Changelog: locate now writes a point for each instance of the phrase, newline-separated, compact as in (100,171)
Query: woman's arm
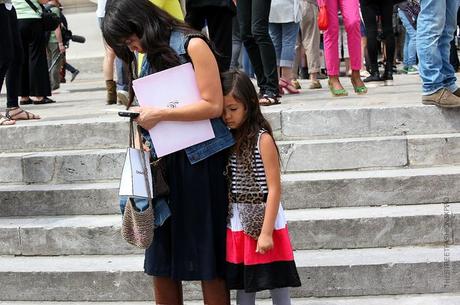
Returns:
(43,1)
(208,80)
(270,159)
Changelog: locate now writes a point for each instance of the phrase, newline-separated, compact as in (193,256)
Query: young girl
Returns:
(259,252)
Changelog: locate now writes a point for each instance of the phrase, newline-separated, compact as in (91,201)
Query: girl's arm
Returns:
(270,159)
(208,80)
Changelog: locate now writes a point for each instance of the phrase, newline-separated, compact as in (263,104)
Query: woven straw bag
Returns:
(137,228)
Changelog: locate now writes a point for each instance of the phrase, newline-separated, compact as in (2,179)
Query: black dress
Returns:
(191,243)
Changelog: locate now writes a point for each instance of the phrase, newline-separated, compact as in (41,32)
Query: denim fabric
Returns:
(436,24)
(284,37)
(161,209)
(410,49)
(223,138)
(122,75)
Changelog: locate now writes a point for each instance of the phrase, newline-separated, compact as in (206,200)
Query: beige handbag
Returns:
(138,226)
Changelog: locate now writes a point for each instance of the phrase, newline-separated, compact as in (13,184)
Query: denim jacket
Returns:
(223,138)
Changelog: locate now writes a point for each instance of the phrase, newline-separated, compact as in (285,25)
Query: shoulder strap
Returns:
(33,6)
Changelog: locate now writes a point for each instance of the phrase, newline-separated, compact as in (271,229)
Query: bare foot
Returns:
(4,121)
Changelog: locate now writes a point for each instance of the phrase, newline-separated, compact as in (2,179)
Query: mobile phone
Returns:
(128,114)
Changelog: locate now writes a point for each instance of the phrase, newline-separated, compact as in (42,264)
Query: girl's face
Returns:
(234,112)
(134,44)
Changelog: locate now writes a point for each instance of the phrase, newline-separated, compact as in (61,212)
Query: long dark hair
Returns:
(151,24)
(239,86)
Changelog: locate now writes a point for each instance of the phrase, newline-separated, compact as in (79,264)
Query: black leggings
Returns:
(10,50)
(370,10)
(253,20)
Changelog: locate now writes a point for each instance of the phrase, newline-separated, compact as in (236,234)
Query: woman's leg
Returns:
(39,81)
(331,45)
(244,15)
(215,292)
(369,15)
(352,23)
(331,39)
(280,296)
(386,10)
(167,291)
(259,27)
(245,298)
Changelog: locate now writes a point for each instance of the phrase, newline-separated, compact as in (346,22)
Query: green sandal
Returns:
(336,92)
(360,90)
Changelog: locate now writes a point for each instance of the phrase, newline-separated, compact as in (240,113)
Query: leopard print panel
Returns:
(251,203)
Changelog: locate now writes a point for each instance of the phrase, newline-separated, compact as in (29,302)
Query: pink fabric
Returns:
(351,19)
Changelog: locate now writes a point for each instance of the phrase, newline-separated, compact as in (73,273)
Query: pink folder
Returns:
(173,88)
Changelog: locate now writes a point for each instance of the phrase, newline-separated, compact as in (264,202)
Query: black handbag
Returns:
(50,20)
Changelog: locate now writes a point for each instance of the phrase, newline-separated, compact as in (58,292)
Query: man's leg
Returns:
(447,35)
(430,26)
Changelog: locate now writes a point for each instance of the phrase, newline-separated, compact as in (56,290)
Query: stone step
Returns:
(374,152)
(288,122)
(303,121)
(335,228)
(59,199)
(409,299)
(297,156)
(300,191)
(324,273)
(84,133)
(62,166)
(372,187)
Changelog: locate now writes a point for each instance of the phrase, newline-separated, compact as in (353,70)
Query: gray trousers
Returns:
(52,53)
(309,38)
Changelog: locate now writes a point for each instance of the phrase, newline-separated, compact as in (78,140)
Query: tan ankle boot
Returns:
(111,87)
(442,98)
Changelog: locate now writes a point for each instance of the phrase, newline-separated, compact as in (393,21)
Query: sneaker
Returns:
(122,97)
(411,70)
(442,98)
(74,74)
(387,77)
(374,77)
(364,73)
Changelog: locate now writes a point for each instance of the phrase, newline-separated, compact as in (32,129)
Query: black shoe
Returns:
(374,77)
(387,77)
(74,74)
(26,102)
(44,100)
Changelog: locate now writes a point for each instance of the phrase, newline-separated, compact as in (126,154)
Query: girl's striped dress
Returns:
(247,269)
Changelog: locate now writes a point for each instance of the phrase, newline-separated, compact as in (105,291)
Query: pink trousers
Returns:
(351,20)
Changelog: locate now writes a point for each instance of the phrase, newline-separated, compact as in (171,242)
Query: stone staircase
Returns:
(371,187)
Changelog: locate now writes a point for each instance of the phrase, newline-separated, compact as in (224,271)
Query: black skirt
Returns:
(190,245)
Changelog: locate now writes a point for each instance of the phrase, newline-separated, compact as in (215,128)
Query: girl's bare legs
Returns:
(107,68)
(215,292)
(167,291)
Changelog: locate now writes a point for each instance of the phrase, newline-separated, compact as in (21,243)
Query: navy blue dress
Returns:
(191,243)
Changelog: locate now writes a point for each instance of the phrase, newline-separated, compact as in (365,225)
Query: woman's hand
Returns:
(148,116)
(264,243)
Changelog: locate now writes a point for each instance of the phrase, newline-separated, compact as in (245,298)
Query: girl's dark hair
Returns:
(151,24)
(240,87)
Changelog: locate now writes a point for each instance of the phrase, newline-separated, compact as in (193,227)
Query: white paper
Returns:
(132,181)
(173,88)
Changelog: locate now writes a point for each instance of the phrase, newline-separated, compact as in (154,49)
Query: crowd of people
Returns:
(226,226)
(32,60)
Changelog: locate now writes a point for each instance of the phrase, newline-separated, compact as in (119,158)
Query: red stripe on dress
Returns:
(242,249)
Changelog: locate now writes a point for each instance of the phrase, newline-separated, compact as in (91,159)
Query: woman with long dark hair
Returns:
(190,245)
